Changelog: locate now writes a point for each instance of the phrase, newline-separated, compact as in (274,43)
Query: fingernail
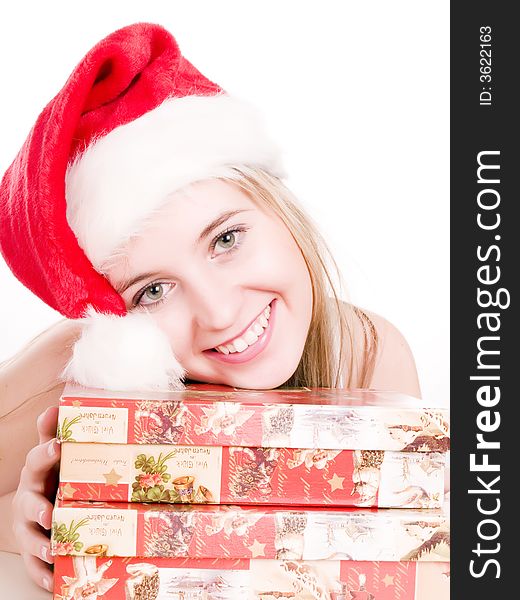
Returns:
(44,413)
(41,516)
(52,448)
(44,553)
(47,584)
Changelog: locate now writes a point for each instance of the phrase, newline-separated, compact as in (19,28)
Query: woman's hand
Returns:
(33,501)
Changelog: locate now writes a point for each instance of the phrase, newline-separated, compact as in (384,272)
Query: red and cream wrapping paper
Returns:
(229,475)
(222,531)
(324,419)
(184,579)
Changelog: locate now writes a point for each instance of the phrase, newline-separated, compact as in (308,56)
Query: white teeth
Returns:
(257,328)
(240,344)
(249,337)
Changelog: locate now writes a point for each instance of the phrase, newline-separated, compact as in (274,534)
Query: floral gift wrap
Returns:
(222,531)
(223,579)
(325,419)
(228,475)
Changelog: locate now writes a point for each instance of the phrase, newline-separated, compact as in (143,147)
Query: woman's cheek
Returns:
(273,267)
(174,324)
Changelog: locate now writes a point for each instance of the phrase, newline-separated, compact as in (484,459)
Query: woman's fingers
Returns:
(36,509)
(30,501)
(47,423)
(31,508)
(40,460)
(35,542)
(38,571)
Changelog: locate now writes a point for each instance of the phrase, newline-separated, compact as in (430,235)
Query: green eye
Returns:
(154,292)
(227,240)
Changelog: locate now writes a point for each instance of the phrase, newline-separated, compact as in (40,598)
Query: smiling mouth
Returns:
(249,337)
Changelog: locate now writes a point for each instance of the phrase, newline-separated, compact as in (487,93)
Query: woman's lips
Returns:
(251,351)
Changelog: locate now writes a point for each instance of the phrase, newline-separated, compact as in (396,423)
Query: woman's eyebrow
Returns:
(219,221)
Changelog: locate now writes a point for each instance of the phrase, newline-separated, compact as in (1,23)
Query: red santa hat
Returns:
(134,122)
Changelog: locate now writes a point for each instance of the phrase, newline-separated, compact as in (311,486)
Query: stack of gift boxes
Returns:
(212,493)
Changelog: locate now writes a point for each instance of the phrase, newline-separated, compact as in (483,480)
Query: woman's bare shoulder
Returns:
(394,367)
(37,367)
(30,382)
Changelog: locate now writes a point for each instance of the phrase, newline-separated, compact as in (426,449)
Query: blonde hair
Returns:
(341,345)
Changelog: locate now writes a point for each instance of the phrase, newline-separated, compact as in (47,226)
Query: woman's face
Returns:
(225,280)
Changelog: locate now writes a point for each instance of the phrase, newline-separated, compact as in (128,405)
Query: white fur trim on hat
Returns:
(122,177)
(128,353)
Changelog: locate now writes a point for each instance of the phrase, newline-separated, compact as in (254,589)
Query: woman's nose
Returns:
(215,304)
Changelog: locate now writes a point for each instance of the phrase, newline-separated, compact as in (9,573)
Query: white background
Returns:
(355,92)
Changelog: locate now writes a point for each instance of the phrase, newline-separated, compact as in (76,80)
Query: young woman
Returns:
(145,193)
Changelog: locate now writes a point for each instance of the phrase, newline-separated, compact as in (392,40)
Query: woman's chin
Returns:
(259,381)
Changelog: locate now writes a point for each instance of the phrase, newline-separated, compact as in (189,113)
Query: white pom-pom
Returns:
(128,353)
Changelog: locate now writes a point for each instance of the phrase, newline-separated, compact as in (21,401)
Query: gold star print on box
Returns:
(67,491)
(336,482)
(257,549)
(112,478)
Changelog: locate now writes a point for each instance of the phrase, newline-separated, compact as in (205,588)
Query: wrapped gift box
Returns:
(228,475)
(185,579)
(222,531)
(324,419)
